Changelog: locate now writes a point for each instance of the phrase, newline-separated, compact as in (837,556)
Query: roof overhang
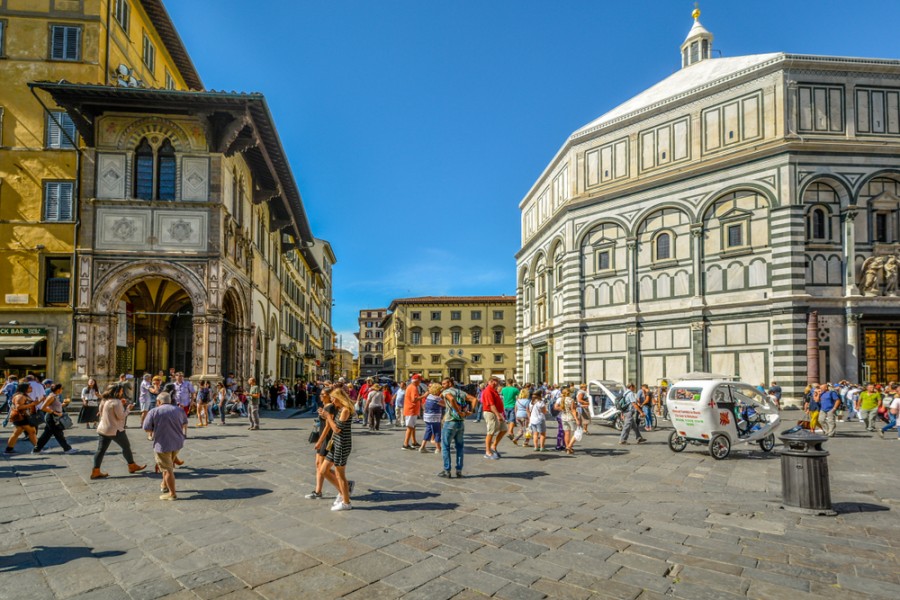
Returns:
(164,26)
(239,122)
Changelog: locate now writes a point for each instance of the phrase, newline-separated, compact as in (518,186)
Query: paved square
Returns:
(610,522)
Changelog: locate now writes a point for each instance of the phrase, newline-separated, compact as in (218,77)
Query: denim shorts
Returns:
(510,414)
(433,431)
(539,428)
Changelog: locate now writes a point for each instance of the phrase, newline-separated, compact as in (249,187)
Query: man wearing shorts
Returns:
(509,393)
(411,412)
(493,418)
(166,422)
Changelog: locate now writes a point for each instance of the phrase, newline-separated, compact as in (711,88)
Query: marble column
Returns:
(633,355)
(631,245)
(851,353)
(850,287)
(697,259)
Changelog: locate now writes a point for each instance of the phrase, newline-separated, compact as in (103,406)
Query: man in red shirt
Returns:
(411,407)
(493,418)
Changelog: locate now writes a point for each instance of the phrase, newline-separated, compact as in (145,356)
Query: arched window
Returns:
(663,246)
(818,224)
(367,360)
(165,178)
(369,347)
(378,347)
(155,172)
(143,171)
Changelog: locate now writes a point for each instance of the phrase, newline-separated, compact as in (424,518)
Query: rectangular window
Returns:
(65,42)
(60,136)
(416,359)
(498,315)
(881,227)
(455,315)
(603,260)
(435,315)
(415,316)
(122,12)
(58,200)
(498,358)
(735,235)
(170,81)
(149,53)
(435,359)
(476,358)
(476,337)
(455,338)
(435,338)
(476,315)
(498,337)
(2,38)
(57,277)
(415,338)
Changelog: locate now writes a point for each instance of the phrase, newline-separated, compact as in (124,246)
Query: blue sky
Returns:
(415,127)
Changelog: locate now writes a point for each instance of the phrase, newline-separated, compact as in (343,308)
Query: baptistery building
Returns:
(742,216)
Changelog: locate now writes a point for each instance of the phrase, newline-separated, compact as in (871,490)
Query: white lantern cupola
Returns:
(698,44)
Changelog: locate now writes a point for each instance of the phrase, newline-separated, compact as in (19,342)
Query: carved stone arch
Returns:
(839,184)
(712,198)
(118,280)
(235,290)
(154,127)
(864,181)
(557,241)
(587,229)
(538,257)
(523,275)
(646,214)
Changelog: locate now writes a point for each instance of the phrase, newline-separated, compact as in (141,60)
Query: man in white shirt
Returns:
(893,416)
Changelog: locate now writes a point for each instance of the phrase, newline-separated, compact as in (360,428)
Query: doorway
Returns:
(541,362)
(881,353)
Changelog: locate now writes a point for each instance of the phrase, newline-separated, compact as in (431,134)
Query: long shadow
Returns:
(523,475)
(394,496)
(202,472)
(408,507)
(229,494)
(49,556)
(532,455)
(20,470)
(600,452)
(844,508)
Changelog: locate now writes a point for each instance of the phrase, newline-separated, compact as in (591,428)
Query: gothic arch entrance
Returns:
(234,335)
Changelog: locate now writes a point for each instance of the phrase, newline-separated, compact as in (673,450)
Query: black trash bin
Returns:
(805,487)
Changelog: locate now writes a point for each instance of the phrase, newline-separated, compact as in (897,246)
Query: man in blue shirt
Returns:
(829,402)
(166,422)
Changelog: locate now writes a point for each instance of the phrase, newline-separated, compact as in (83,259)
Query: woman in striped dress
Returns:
(340,449)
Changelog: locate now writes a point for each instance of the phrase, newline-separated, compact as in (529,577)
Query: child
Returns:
(538,421)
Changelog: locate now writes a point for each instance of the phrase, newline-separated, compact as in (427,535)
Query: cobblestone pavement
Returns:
(610,522)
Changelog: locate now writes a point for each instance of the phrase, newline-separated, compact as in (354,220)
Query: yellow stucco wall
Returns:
(25,164)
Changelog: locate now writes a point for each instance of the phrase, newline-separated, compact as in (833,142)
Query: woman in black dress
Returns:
(323,443)
(338,450)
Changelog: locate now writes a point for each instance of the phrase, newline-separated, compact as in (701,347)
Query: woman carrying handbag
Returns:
(55,419)
(113,413)
(90,401)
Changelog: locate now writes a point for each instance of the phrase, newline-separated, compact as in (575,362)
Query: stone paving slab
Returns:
(609,522)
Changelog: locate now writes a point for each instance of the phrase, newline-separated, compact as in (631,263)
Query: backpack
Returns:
(621,403)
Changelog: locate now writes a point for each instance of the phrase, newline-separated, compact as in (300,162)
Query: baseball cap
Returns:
(342,380)
(416,376)
(47,382)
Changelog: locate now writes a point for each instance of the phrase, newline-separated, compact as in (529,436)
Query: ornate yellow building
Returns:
(99,41)
(144,222)
(469,338)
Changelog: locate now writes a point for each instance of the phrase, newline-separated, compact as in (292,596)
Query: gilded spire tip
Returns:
(696,13)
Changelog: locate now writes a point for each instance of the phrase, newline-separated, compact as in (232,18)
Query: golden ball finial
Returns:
(696,14)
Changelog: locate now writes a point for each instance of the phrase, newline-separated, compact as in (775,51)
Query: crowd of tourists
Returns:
(875,407)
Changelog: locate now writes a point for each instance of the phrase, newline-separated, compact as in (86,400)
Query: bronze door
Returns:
(881,354)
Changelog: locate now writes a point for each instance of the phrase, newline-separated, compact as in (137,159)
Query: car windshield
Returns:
(685,393)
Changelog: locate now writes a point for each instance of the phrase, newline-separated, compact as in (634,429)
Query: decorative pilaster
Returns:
(851,353)
(850,287)
(631,349)
(698,346)
(631,246)
(697,259)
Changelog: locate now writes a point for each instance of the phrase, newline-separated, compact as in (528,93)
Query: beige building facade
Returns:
(469,338)
(370,358)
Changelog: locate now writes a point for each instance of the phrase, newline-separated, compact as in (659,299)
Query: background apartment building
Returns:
(371,341)
(469,338)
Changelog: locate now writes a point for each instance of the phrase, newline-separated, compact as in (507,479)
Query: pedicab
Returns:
(719,413)
(603,408)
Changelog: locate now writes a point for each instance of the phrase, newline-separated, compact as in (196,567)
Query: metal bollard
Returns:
(805,487)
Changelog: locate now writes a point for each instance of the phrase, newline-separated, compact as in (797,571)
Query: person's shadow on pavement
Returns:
(49,556)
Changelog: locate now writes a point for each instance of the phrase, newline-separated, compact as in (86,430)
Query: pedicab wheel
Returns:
(677,443)
(618,424)
(767,443)
(719,446)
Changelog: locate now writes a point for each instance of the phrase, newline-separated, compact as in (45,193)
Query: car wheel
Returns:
(719,447)
(677,443)
(767,443)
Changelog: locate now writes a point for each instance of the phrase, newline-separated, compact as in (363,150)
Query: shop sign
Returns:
(23,331)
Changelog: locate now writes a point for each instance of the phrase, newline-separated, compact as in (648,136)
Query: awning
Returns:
(20,342)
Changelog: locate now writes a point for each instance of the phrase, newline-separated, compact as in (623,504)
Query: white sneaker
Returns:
(71,451)
(341,506)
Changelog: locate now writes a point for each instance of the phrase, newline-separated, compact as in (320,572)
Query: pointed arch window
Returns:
(155,171)
(818,224)
(143,171)
(165,182)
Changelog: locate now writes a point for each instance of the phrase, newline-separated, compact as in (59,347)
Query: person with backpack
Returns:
(9,390)
(630,408)
(458,405)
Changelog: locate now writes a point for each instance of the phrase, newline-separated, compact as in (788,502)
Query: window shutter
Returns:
(53,132)
(51,202)
(65,201)
(69,128)
(73,39)
(57,50)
